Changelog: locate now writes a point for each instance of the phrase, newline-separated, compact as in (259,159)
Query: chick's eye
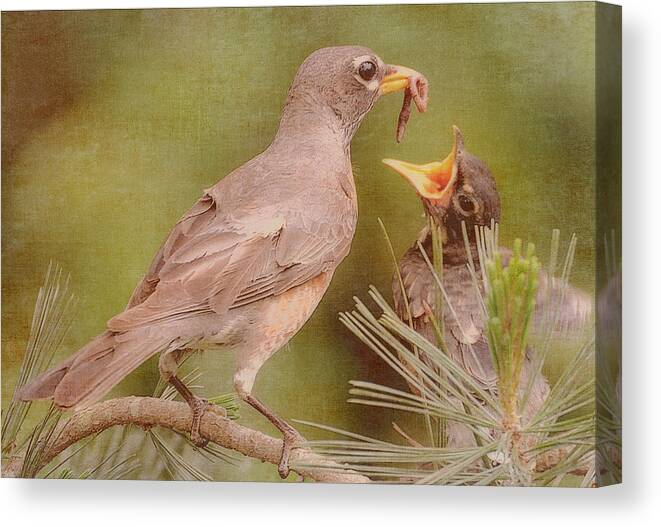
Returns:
(466,204)
(367,70)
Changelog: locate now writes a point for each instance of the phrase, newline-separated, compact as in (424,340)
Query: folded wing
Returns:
(212,263)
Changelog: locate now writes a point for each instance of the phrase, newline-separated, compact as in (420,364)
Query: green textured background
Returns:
(114,122)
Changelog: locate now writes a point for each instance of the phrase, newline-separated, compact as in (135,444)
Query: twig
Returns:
(148,412)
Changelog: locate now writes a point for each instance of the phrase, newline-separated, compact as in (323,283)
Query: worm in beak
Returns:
(416,89)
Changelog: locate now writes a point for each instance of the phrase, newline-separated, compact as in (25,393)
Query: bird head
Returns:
(458,189)
(347,81)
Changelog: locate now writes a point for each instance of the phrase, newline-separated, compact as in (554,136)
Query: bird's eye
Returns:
(466,204)
(367,70)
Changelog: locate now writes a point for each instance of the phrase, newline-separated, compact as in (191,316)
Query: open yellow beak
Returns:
(397,79)
(435,180)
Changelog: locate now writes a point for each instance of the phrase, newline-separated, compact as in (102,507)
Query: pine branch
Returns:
(148,412)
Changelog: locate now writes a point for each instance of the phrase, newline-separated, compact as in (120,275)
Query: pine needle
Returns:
(564,425)
(53,315)
(175,464)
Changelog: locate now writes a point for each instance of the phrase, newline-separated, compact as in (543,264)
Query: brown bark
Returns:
(148,412)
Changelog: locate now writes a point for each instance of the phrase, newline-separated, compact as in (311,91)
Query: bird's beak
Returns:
(435,180)
(397,79)
(401,78)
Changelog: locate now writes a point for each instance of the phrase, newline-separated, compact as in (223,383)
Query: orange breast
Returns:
(286,313)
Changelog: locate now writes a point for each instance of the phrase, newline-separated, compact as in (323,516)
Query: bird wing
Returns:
(190,224)
(316,238)
(418,284)
(571,307)
(413,298)
(213,262)
(465,331)
(464,326)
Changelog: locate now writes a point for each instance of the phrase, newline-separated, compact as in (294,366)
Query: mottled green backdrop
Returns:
(114,122)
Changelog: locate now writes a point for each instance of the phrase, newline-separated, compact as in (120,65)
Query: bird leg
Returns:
(198,406)
(290,437)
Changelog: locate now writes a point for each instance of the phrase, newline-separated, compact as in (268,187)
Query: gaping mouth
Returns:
(434,181)
(416,88)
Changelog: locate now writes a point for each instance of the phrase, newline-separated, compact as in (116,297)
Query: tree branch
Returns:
(147,412)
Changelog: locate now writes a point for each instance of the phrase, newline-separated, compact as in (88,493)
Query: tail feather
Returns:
(43,386)
(88,375)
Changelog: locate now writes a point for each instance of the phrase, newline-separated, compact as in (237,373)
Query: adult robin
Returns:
(461,189)
(247,265)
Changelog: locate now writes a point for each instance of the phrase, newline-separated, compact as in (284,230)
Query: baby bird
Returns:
(461,189)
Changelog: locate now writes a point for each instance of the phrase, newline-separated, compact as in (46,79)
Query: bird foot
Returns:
(290,440)
(290,437)
(198,407)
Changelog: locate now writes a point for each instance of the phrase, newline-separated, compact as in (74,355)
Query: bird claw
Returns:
(198,408)
(290,440)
